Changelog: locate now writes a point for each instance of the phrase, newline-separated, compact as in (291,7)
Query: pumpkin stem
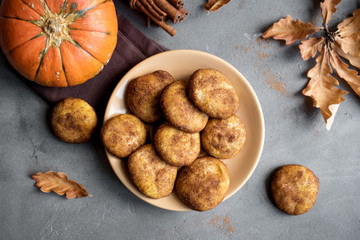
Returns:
(52,26)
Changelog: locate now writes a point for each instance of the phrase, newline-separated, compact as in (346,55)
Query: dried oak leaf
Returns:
(348,34)
(349,75)
(289,30)
(350,45)
(355,61)
(310,47)
(215,5)
(328,8)
(321,87)
(60,184)
(350,26)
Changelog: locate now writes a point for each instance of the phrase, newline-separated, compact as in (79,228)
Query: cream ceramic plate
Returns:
(181,64)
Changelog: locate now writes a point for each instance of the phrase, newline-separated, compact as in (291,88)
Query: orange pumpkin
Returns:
(58,43)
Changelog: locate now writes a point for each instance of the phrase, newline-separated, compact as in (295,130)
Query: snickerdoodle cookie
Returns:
(143,95)
(223,138)
(73,120)
(151,175)
(179,111)
(294,189)
(203,184)
(123,134)
(211,92)
(176,147)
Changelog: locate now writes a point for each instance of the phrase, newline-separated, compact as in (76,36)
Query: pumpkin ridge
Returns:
(69,45)
(27,7)
(43,52)
(32,8)
(91,8)
(39,35)
(28,52)
(18,37)
(79,46)
(82,12)
(105,1)
(64,7)
(63,67)
(30,21)
(97,31)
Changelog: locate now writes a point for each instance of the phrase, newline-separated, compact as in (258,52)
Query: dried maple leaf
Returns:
(215,5)
(321,87)
(310,47)
(289,30)
(345,42)
(60,184)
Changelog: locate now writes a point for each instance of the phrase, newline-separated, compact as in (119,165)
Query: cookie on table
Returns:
(121,135)
(151,175)
(176,147)
(203,184)
(179,111)
(224,138)
(211,92)
(73,120)
(294,189)
(143,95)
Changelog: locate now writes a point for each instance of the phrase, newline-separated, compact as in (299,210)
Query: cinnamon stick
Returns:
(183,11)
(156,8)
(162,24)
(215,5)
(160,15)
(161,10)
(174,14)
(175,3)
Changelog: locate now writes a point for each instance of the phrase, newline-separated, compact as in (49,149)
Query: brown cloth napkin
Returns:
(132,47)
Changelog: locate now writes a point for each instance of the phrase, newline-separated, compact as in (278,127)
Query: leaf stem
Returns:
(330,36)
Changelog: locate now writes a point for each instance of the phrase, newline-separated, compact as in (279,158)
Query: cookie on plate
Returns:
(223,138)
(176,147)
(143,95)
(123,134)
(151,175)
(294,189)
(203,184)
(179,111)
(73,120)
(211,92)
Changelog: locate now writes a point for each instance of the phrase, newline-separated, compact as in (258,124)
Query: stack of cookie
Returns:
(184,116)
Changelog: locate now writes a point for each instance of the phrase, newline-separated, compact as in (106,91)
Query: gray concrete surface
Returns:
(295,133)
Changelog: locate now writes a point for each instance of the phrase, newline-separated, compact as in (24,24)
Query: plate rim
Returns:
(186,51)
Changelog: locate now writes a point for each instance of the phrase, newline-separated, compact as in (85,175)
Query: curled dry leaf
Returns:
(355,61)
(348,34)
(215,5)
(349,75)
(350,44)
(328,8)
(310,47)
(350,26)
(60,184)
(321,87)
(289,30)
